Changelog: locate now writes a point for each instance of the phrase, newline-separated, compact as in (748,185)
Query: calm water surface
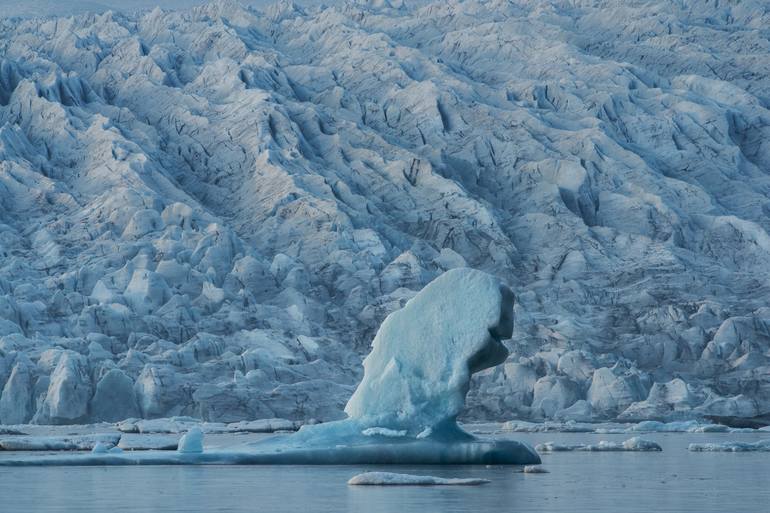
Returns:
(674,480)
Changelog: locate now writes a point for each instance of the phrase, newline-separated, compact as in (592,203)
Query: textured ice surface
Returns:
(58,443)
(635,444)
(418,372)
(732,446)
(391,478)
(648,426)
(209,212)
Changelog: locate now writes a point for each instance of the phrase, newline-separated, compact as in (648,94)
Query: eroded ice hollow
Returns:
(405,409)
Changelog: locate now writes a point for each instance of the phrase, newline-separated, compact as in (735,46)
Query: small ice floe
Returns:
(382,431)
(264,426)
(635,444)
(192,441)
(759,446)
(606,428)
(392,479)
(534,469)
(176,425)
(522,426)
(57,443)
(683,426)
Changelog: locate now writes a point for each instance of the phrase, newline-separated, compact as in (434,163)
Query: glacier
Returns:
(208,212)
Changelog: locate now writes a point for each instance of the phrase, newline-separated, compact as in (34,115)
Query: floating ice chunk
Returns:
(534,469)
(759,446)
(522,426)
(57,443)
(640,444)
(653,426)
(381,431)
(418,374)
(635,444)
(192,441)
(557,427)
(391,478)
(264,426)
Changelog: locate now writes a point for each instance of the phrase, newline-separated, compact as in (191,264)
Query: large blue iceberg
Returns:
(405,409)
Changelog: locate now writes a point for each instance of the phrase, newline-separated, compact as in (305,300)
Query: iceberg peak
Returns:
(418,372)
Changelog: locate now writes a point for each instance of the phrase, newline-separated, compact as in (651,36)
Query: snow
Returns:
(191,442)
(223,203)
(635,444)
(394,479)
(732,446)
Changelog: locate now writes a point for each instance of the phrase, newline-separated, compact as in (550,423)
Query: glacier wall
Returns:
(209,211)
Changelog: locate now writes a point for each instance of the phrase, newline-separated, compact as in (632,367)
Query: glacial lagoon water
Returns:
(674,480)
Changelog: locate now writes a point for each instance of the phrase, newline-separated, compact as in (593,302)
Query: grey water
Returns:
(674,480)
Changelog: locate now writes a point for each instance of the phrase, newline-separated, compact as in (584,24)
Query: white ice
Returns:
(57,443)
(392,478)
(732,446)
(647,426)
(635,444)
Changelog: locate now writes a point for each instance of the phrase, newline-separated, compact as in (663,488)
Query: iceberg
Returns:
(391,478)
(405,409)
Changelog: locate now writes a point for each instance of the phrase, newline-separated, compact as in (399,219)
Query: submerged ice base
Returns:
(405,409)
(413,452)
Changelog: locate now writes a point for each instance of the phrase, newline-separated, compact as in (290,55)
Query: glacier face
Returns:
(209,212)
